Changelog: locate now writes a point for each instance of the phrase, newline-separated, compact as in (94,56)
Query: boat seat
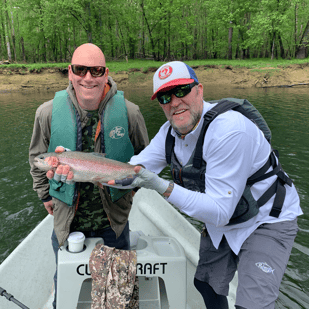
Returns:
(157,257)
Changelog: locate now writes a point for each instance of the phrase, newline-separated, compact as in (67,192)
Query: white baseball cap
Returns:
(172,74)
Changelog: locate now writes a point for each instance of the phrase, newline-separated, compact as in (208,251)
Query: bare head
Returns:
(88,54)
(85,73)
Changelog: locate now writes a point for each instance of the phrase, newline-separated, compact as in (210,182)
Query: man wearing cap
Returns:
(232,149)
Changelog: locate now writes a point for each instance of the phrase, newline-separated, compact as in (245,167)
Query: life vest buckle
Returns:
(210,115)
(284,179)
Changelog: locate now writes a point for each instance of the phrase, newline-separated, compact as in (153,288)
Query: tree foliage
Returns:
(50,30)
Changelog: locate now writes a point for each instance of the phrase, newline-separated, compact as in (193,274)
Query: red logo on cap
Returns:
(165,72)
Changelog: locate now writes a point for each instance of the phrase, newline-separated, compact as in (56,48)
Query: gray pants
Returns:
(261,264)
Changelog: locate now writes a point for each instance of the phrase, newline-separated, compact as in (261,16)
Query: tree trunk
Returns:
(230,51)
(8,45)
(149,31)
(272,50)
(164,46)
(112,38)
(101,45)
(295,29)
(23,48)
(273,47)
(13,37)
(194,55)
(3,43)
(89,30)
(301,50)
(8,31)
(143,41)
(169,40)
(282,52)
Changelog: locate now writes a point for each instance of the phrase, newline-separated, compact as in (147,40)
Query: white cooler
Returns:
(157,257)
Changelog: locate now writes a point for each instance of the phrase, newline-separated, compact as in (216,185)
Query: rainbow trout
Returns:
(87,166)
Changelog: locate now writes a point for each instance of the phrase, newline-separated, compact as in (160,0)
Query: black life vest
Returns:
(192,175)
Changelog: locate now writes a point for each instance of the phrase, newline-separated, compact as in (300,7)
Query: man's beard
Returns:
(195,117)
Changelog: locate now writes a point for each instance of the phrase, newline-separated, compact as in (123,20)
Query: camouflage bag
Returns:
(113,273)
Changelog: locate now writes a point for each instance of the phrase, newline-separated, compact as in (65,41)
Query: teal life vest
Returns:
(192,175)
(66,131)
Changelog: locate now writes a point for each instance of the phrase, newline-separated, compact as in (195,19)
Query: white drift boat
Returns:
(28,271)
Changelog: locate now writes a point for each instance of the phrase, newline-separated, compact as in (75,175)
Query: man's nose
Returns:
(175,101)
(88,75)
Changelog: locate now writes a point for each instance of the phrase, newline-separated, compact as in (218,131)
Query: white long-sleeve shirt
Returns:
(234,149)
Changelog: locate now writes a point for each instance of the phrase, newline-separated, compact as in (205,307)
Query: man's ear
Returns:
(200,90)
(70,72)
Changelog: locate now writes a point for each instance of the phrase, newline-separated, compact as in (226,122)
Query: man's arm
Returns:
(169,190)
(228,167)
(152,157)
(137,128)
(229,164)
(39,144)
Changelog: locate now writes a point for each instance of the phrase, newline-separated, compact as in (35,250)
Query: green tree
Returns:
(46,30)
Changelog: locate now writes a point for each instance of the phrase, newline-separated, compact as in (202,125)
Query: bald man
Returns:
(77,119)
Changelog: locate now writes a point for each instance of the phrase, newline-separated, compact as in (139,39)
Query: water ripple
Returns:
(285,110)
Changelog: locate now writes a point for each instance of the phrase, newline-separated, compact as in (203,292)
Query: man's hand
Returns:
(146,179)
(62,172)
(49,206)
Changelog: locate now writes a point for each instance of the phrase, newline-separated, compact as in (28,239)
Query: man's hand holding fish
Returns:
(62,172)
(146,179)
(83,167)
(143,177)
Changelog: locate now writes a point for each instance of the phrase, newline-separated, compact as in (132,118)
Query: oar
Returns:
(11,298)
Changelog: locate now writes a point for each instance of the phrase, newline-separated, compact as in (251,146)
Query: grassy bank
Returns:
(145,65)
(258,73)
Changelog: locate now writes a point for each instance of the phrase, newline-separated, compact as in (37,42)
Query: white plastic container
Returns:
(76,242)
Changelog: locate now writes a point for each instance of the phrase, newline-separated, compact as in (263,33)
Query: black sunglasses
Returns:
(82,70)
(179,92)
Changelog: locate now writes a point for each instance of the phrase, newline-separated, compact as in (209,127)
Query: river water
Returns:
(286,110)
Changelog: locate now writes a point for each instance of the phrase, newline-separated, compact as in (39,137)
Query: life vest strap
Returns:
(277,188)
(279,199)
(169,145)
(213,113)
(79,135)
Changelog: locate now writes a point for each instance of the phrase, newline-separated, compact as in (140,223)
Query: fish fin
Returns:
(98,154)
(104,184)
(98,184)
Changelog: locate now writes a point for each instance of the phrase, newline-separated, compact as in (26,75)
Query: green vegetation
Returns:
(34,66)
(145,65)
(35,31)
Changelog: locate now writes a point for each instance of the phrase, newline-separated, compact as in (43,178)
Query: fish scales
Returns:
(88,167)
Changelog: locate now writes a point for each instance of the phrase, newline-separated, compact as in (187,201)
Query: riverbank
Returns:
(54,79)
